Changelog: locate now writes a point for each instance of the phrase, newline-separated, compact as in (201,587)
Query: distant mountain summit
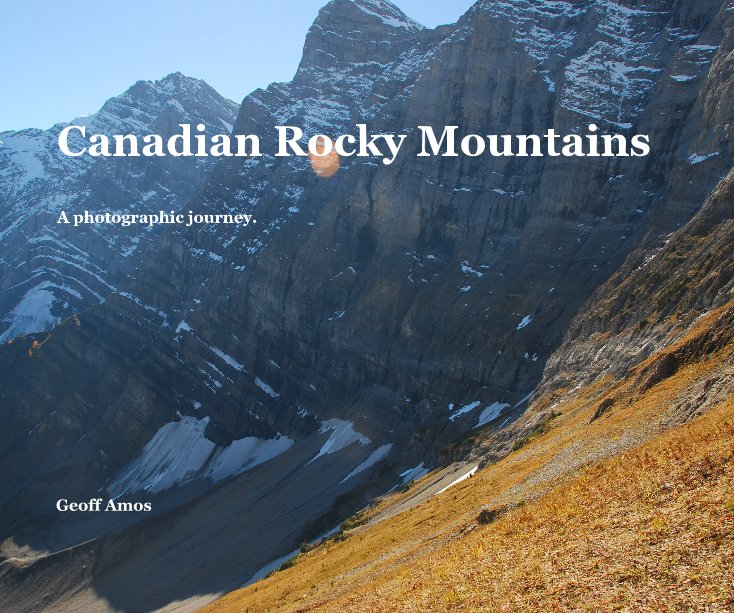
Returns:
(52,271)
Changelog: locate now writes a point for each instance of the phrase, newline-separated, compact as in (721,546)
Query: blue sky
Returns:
(60,60)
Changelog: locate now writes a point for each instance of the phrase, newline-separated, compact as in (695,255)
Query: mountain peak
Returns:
(174,86)
(386,12)
(174,78)
(354,32)
(177,79)
(177,82)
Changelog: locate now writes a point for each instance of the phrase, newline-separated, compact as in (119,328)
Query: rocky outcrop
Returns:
(655,298)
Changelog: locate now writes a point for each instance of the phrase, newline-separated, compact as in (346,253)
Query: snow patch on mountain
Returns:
(415,473)
(183,327)
(696,158)
(388,13)
(342,435)
(524,322)
(32,313)
(463,477)
(226,358)
(266,388)
(491,412)
(244,454)
(465,409)
(180,452)
(378,455)
(175,454)
(25,151)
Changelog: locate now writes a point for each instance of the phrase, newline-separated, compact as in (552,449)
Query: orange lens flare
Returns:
(324,164)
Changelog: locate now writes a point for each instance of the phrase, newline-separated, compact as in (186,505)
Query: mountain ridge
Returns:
(67,280)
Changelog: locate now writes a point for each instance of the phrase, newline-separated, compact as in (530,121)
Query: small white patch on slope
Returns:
(376,456)
(342,435)
(32,313)
(459,480)
(244,454)
(413,474)
(525,321)
(464,409)
(266,388)
(491,412)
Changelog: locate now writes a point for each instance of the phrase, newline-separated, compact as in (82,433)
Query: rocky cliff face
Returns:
(446,281)
(371,318)
(654,299)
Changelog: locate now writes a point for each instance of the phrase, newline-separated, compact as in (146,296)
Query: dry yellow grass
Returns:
(652,529)
(649,527)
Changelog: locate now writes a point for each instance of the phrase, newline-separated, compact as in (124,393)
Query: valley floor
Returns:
(632,510)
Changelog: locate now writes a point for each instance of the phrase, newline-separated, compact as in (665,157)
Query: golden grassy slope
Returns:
(650,526)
